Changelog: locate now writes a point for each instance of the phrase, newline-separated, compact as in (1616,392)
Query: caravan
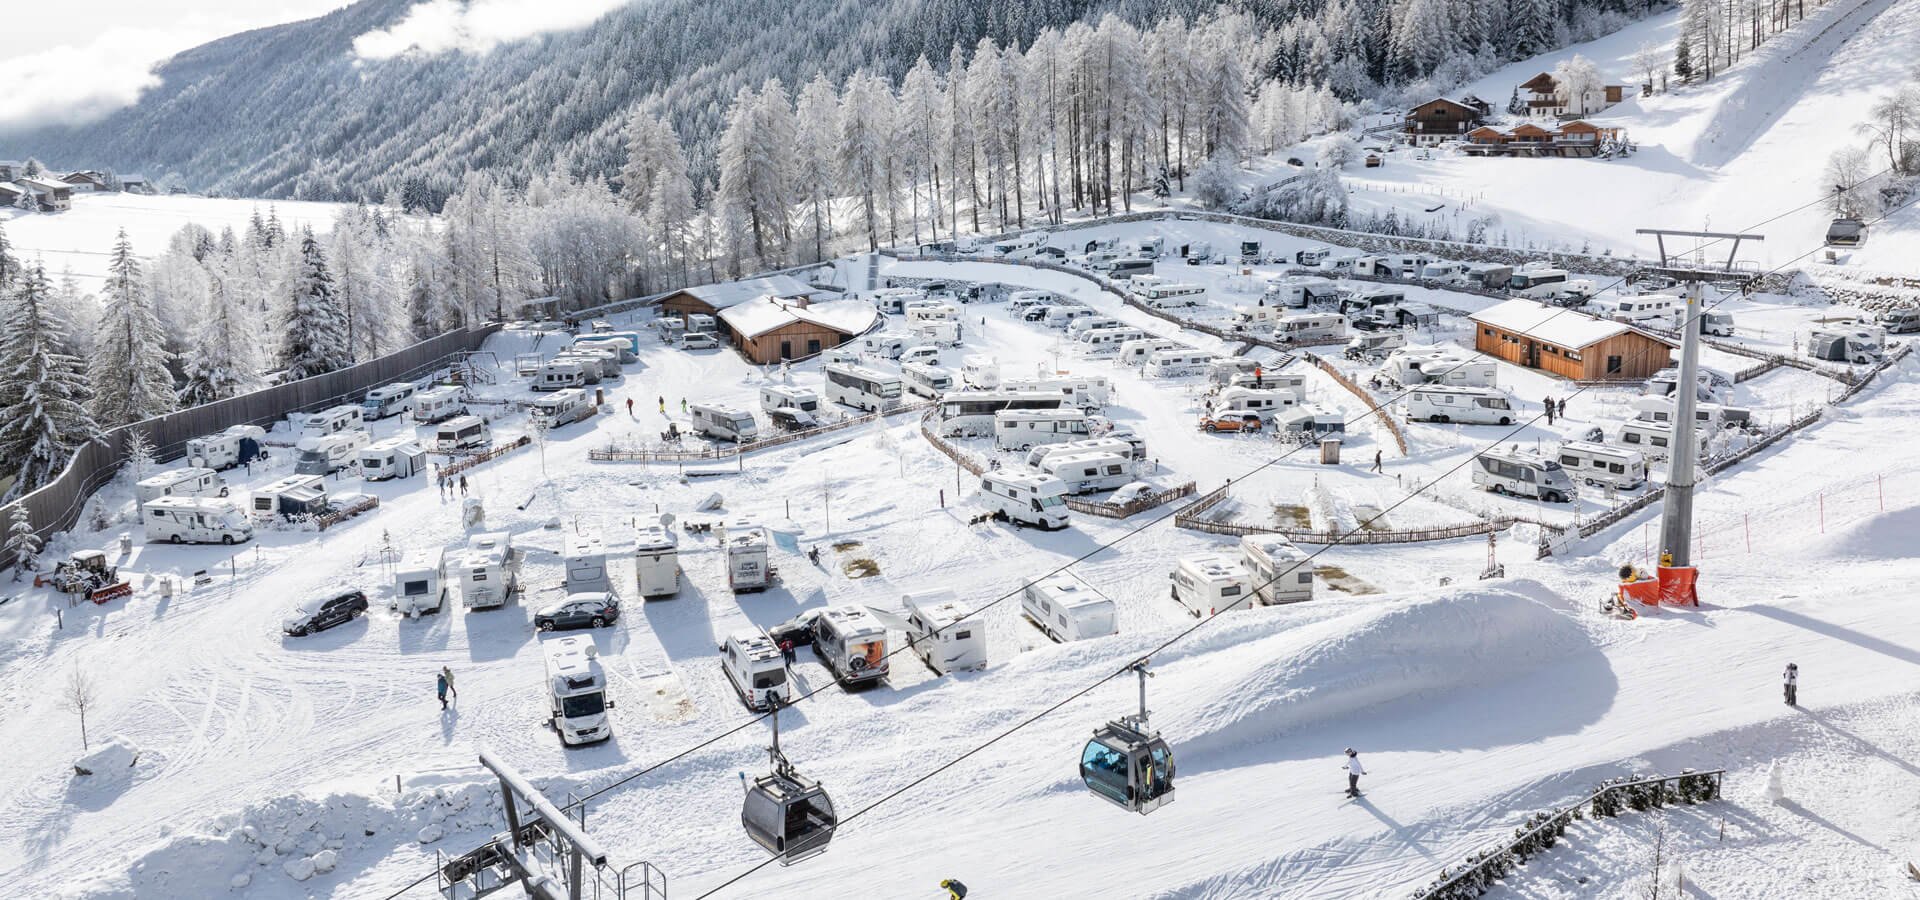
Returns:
(419,583)
(1172,296)
(438,405)
(656,562)
(395,457)
(1654,439)
(748,569)
(755,668)
(1082,391)
(924,380)
(862,388)
(1109,341)
(194,520)
(1241,402)
(944,333)
(852,642)
(971,413)
(1021,429)
(1267,379)
(294,495)
(1256,318)
(1300,291)
(1025,497)
(489,570)
(1309,419)
(583,557)
(787,396)
(239,445)
(577,701)
(332,421)
(1086,472)
(1467,405)
(1176,363)
(559,376)
(1710,416)
(1281,572)
(1114,445)
(1311,327)
(562,408)
(727,423)
(1137,352)
(1440,365)
(939,634)
(1603,466)
(1078,329)
(462,433)
(1523,474)
(390,400)
(326,455)
(187,482)
(1066,609)
(1209,581)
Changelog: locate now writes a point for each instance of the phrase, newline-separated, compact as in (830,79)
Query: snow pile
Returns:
(113,761)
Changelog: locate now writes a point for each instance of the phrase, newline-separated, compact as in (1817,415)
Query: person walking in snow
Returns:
(629,407)
(663,405)
(463,485)
(1376,460)
(443,684)
(1354,771)
(786,651)
(1561,406)
(1549,405)
(1791,681)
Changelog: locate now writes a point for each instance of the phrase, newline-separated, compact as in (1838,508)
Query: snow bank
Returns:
(1883,536)
(113,761)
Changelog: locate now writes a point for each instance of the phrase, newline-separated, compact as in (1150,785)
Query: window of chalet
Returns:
(1613,365)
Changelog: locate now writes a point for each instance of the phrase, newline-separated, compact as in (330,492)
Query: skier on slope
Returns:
(955,890)
(1354,771)
(1791,681)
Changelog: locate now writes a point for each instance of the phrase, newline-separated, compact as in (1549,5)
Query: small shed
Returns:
(1568,343)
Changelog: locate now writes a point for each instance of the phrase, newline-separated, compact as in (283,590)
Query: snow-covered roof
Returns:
(733,293)
(44,184)
(759,315)
(1552,324)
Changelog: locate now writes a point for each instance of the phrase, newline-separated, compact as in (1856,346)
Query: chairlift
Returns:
(786,812)
(1127,762)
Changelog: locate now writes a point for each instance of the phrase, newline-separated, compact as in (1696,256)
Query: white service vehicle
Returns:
(191,481)
(1137,352)
(395,457)
(583,557)
(462,433)
(1025,497)
(1303,327)
(326,455)
(1210,581)
(561,408)
(489,570)
(972,413)
(926,380)
(1603,465)
(576,691)
(756,669)
(1466,405)
(194,520)
(1280,572)
(1245,401)
(388,400)
(1066,609)
(1090,472)
(749,569)
(420,582)
(1172,296)
(725,422)
(940,634)
(862,388)
(980,372)
(1523,474)
(294,495)
(236,446)
(852,642)
(559,376)
(438,405)
(1021,429)
(333,420)
(656,562)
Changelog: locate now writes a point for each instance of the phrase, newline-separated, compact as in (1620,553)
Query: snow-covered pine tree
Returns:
(131,381)
(139,453)
(314,330)
(10,269)
(43,394)
(23,546)
(816,115)
(226,357)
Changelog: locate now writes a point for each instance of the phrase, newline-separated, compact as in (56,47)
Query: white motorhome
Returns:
(1466,405)
(1210,581)
(1298,291)
(1021,429)
(192,481)
(1085,472)
(1019,247)
(1025,497)
(1066,609)
(1449,366)
(1083,391)
(1658,310)
(1904,320)
(725,422)
(1063,316)
(1281,572)
(981,372)
(1711,416)
(559,376)
(1484,276)
(884,345)
(1709,384)
(1108,341)
(332,421)
(1310,418)
(945,333)
(389,400)
(462,433)
(236,446)
(1021,301)
(931,311)
(1303,327)
(1245,401)
(1312,256)
(1172,296)
(1523,474)
(1221,371)
(939,633)
(1269,380)
(1538,282)
(294,495)
(701,322)
(1442,270)
(1258,318)
(862,388)
(419,583)
(787,396)
(1654,439)
(748,567)
(1079,328)
(326,455)
(1137,352)
(755,668)
(395,457)
(438,405)
(583,557)
(562,408)
(489,570)
(852,642)
(621,348)
(1037,457)
(1714,323)
(972,413)
(577,701)
(922,354)
(601,363)
(1602,465)
(924,380)
(656,562)
(1370,297)
(1860,346)
(1376,344)
(194,520)
(1176,363)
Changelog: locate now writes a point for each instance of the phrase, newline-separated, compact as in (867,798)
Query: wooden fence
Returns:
(1124,510)
(611,454)
(960,457)
(334,517)
(1384,414)
(492,453)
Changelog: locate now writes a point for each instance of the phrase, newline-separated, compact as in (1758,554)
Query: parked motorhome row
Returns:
(972,413)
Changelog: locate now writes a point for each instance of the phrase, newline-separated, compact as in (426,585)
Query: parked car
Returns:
(595,609)
(1129,492)
(1230,422)
(319,615)
(798,629)
(699,340)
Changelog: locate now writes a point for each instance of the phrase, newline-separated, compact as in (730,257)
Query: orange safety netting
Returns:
(1645,591)
(1677,585)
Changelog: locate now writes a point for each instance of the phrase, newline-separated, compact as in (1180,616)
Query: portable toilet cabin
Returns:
(419,583)
(585,559)
(656,562)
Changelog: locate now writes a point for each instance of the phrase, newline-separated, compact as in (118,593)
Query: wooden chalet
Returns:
(770,329)
(1568,343)
(1544,100)
(1576,138)
(1444,119)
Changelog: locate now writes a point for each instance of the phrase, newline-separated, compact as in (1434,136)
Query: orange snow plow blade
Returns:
(1646,591)
(1677,585)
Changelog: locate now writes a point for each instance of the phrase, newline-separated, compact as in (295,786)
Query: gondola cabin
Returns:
(1127,763)
(788,814)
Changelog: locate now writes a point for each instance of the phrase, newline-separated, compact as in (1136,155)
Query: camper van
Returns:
(1305,327)
(1108,341)
(1083,391)
(724,422)
(1021,429)
(559,376)
(1037,457)
(237,446)
(583,559)
(971,413)
(1654,439)
(940,634)
(1860,346)
(1136,352)
(862,388)
(419,583)
(1086,472)
(980,372)
(391,400)
(1176,363)
(438,405)
(187,482)
(1066,609)
(1601,465)
(924,380)
(1523,474)
(699,340)
(922,354)
(1172,296)
(395,457)
(563,408)
(1025,497)
(748,568)
(1467,405)
(462,433)
(1241,402)
(1280,572)
(1370,297)
(656,562)
(194,520)
(755,668)
(294,495)
(489,570)
(1210,581)
(326,455)
(332,421)
(1905,320)
(852,642)
(577,701)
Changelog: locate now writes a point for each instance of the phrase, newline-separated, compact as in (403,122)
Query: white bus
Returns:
(1025,497)
(563,408)
(1467,405)
(576,691)
(939,634)
(1021,429)
(1601,465)
(725,422)
(1065,609)
(1209,581)
(195,520)
(1172,296)
(1090,472)
(971,413)
(1523,474)
(1280,571)
(852,642)
(862,388)
(438,405)
(925,380)
(462,433)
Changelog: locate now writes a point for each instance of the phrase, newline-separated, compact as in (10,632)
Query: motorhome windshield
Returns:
(1050,502)
(583,705)
(313,455)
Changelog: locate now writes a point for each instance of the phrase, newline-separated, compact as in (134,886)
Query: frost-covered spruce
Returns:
(131,381)
(43,392)
(314,329)
(23,546)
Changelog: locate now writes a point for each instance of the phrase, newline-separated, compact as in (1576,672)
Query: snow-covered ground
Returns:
(81,239)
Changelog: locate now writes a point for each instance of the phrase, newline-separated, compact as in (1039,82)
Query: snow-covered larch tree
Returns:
(131,381)
(816,115)
(314,330)
(226,357)
(43,392)
(23,545)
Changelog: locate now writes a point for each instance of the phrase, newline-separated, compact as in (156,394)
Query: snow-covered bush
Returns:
(1340,151)
(1213,184)
(1318,199)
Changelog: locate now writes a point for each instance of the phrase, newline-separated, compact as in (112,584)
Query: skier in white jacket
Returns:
(1354,771)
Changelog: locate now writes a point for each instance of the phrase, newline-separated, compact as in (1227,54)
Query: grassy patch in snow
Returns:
(1287,516)
(1340,580)
(863,567)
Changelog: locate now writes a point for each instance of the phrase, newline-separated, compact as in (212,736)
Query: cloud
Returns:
(77,85)
(476,26)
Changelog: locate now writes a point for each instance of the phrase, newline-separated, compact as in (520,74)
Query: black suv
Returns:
(320,615)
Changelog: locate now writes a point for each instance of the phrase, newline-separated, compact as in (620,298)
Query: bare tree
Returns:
(1847,175)
(1647,61)
(81,695)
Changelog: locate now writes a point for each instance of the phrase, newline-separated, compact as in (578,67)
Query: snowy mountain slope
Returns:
(79,239)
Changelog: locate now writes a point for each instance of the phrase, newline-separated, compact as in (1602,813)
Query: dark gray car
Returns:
(320,615)
(589,610)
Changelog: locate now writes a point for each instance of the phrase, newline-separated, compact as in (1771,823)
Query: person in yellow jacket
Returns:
(955,890)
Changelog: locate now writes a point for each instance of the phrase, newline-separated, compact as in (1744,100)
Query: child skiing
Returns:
(1354,771)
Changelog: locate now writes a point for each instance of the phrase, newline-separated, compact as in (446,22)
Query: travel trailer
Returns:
(1266,379)
(419,583)
(1601,465)
(1466,405)
(862,388)
(1108,341)
(395,457)
(325,455)
(1305,327)
(924,380)
(462,433)
(1246,401)
(438,405)
(237,446)
(391,400)
(577,701)
(656,562)
(1116,446)
(727,423)
(194,520)
(1082,391)
(980,372)
(1137,352)
(489,570)
(1066,609)
(1085,472)
(1300,291)
(748,568)
(1176,363)
(1654,439)
(1210,581)
(1021,429)
(787,396)
(755,668)
(192,481)
(1710,416)
(562,408)
(940,633)
(1280,572)
(332,421)
(1309,418)
(852,642)
(1523,474)
(939,333)
(1025,497)
(559,376)
(290,497)
(1079,328)
(971,413)
(1860,346)
(1435,365)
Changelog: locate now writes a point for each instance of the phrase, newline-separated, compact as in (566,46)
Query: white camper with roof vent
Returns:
(1085,472)
(1602,465)
(1246,400)
(1137,352)
(756,669)
(1082,391)
(852,642)
(1025,497)
(419,583)
(1467,405)
(489,570)
(195,520)
(1279,571)
(576,691)
(1113,445)
(941,633)
(294,495)
(725,422)
(1066,609)
(656,562)
(1522,473)
(325,455)
(1209,581)
(748,567)
(1177,363)
(236,446)
(1022,429)
(438,405)
(584,559)
(395,457)
(462,433)
(389,400)
(333,420)
(927,381)
(186,482)
(559,376)
(561,408)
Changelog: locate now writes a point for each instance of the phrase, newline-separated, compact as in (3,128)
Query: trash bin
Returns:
(1330,451)
(126,543)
